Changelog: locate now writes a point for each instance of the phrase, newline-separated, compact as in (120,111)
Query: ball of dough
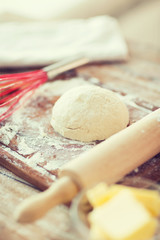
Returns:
(89,113)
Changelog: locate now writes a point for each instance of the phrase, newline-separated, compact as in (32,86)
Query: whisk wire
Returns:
(17,76)
(13,107)
(17,87)
(12,91)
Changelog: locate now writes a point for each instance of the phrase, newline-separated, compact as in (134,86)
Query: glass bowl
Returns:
(80,207)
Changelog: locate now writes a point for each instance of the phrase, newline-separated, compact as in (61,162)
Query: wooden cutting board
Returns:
(31,149)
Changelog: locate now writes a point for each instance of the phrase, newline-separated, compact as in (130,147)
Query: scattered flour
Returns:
(34,141)
(23,148)
(33,135)
(57,88)
(8,131)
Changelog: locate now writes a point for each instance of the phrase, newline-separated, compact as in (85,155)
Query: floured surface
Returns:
(29,137)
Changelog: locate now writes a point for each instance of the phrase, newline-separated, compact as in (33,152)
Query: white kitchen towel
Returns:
(40,43)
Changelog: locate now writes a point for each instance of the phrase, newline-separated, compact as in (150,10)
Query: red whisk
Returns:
(16,88)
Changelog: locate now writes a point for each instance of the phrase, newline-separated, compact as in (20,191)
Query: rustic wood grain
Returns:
(137,82)
(24,171)
(56,225)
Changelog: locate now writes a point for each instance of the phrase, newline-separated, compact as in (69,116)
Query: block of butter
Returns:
(122,217)
(102,193)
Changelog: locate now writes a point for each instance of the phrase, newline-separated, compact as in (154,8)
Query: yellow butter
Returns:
(149,198)
(123,217)
(98,194)
(96,233)
(102,193)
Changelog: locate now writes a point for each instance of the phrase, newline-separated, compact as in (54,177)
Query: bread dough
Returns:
(89,113)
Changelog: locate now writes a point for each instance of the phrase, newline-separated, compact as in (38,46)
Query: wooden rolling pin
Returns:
(108,161)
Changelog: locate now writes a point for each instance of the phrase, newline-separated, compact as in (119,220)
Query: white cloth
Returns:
(61,9)
(41,43)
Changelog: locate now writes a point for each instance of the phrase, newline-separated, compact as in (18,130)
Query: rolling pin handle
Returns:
(62,191)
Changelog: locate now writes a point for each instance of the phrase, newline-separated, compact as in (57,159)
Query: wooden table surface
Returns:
(139,77)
